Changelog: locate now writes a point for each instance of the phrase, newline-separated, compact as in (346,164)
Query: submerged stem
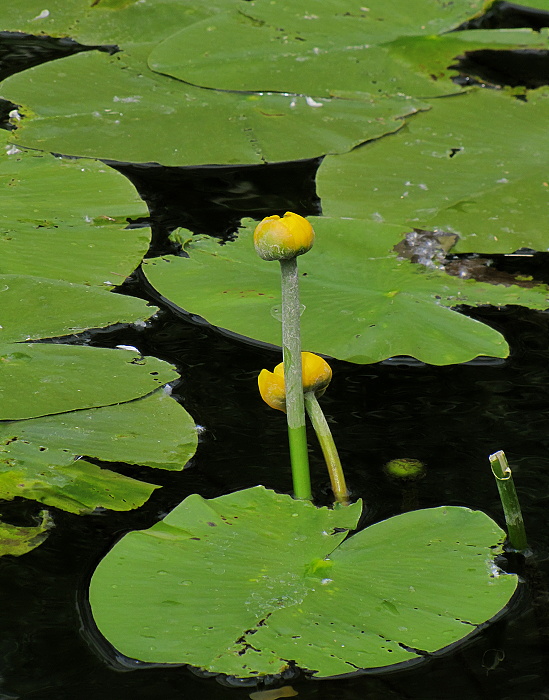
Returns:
(295,405)
(329,449)
(509,501)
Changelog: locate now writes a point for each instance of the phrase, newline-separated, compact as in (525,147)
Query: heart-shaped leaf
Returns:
(248,583)
(362,304)
(118,99)
(385,48)
(32,308)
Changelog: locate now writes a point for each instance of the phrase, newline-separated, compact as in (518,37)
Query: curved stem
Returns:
(293,382)
(329,449)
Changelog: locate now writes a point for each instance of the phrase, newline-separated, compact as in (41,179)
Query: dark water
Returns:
(450,418)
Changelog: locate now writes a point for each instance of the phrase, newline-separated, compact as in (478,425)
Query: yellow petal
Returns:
(316,373)
(271,388)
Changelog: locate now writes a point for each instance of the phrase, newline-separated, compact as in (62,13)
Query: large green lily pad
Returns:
(350,75)
(53,476)
(154,431)
(34,308)
(118,100)
(474,164)
(42,379)
(362,304)
(325,48)
(67,219)
(106,21)
(246,583)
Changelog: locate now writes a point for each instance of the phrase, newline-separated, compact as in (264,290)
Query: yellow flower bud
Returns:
(283,238)
(316,377)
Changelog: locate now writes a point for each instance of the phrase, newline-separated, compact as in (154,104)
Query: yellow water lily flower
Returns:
(317,374)
(277,238)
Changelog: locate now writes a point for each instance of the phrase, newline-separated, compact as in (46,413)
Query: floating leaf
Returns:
(386,48)
(67,219)
(41,379)
(362,303)
(118,100)
(54,477)
(245,583)
(154,431)
(105,21)
(474,165)
(33,308)
(16,540)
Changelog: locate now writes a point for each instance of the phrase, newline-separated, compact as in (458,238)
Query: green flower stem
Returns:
(329,450)
(293,382)
(509,501)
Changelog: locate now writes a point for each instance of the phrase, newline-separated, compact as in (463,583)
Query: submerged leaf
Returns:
(17,540)
(246,583)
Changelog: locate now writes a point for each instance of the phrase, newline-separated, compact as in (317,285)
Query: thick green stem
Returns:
(329,450)
(293,382)
(509,501)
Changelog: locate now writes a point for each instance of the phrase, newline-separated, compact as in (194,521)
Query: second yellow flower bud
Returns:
(316,377)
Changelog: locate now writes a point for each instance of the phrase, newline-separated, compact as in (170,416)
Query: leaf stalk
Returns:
(509,500)
(329,450)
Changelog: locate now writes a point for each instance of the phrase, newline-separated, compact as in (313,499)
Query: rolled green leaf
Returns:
(509,501)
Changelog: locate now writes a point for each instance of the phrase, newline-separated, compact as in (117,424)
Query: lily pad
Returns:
(67,219)
(118,100)
(327,48)
(54,477)
(473,165)
(34,308)
(105,21)
(154,431)
(362,304)
(17,540)
(247,583)
(42,379)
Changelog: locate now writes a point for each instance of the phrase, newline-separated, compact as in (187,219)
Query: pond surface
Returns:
(449,418)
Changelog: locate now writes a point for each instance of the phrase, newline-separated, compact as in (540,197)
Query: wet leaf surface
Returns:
(245,583)
(362,304)
(42,379)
